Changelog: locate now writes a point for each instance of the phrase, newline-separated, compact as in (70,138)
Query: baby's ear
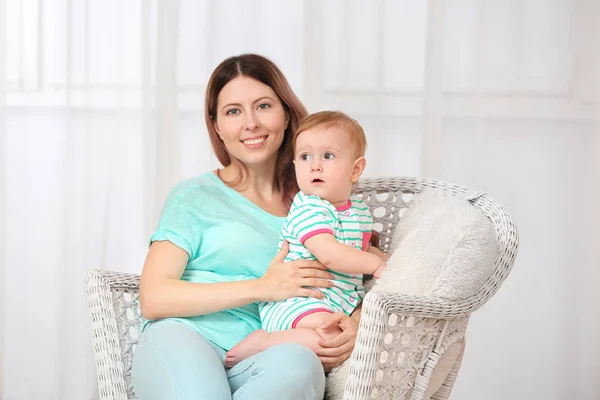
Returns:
(359,167)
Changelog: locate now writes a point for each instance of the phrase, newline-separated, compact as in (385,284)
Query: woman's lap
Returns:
(172,361)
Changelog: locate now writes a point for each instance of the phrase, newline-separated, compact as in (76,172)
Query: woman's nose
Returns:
(252,121)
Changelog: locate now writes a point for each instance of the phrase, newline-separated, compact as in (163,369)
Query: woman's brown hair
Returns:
(265,71)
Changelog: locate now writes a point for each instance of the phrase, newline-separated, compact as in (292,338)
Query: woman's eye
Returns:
(329,156)
(264,106)
(233,111)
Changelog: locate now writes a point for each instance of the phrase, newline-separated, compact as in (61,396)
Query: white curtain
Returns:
(101,113)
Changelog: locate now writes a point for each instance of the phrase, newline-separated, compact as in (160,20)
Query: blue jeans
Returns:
(173,361)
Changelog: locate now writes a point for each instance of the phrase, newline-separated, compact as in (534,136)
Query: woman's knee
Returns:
(303,357)
(297,365)
(150,375)
(173,361)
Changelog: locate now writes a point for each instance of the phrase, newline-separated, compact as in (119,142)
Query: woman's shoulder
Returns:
(202,181)
(202,185)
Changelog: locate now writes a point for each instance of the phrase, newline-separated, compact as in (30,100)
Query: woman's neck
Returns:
(257,182)
(258,187)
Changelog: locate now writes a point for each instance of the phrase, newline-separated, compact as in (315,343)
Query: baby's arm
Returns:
(378,253)
(341,257)
(383,256)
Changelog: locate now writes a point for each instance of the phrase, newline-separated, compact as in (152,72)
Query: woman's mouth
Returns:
(254,142)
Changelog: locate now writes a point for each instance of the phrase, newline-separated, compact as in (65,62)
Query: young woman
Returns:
(214,256)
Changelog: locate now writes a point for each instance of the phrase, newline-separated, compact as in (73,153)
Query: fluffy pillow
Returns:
(442,247)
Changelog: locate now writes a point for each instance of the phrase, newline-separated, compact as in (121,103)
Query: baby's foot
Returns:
(248,347)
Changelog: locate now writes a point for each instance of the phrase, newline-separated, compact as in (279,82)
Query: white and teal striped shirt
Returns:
(310,215)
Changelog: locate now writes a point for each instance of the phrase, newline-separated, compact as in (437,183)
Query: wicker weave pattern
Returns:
(400,338)
(113,300)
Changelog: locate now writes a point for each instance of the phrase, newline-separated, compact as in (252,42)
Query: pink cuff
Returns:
(315,232)
(304,314)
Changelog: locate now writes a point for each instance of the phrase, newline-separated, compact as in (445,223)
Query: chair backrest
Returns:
(113,297)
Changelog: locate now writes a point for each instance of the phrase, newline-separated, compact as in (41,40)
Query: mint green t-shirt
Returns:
(228,238)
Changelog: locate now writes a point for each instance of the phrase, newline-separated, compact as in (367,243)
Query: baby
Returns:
(327,223)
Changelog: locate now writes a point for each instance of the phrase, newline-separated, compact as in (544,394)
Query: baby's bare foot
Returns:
(248,347)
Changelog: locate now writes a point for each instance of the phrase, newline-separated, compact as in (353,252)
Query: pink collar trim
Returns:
(345,207)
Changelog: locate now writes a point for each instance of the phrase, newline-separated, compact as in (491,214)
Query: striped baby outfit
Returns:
(310,215)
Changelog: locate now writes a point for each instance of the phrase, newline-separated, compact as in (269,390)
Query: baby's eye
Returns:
(233,111)
(329,156)
(304,157)
(264,106)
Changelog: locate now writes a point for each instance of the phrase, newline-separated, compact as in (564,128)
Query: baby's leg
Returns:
(313,322)
(307,333)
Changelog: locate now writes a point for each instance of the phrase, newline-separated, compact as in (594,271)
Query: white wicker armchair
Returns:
(400,339)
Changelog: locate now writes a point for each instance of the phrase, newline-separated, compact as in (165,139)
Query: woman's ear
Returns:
(357,170)
(216,128)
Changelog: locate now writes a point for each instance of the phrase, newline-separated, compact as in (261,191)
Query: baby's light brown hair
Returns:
(327,119)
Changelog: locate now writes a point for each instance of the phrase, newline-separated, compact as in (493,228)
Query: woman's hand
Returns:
(334,352)
(282,281)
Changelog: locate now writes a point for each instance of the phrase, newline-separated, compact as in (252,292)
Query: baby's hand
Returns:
(378,253)
(379,270)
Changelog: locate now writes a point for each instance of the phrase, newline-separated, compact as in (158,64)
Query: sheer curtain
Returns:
(101,113)
(3,210)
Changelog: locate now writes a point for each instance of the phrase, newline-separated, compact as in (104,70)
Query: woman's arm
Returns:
(163,294)
(356,313)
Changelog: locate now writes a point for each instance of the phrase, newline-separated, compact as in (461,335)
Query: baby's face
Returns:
(325,162)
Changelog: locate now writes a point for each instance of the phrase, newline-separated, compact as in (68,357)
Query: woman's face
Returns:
(251,121)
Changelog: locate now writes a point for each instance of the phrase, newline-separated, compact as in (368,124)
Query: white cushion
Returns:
(442,247)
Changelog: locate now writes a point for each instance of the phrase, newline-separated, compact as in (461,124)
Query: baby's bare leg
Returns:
(314,321)
(307,333)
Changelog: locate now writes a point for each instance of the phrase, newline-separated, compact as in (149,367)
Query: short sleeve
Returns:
(310,217)
(179,220)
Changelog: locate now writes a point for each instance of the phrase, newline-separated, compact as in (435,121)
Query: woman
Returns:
(213,256)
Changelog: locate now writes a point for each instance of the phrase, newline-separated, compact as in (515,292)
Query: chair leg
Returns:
(444,392)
